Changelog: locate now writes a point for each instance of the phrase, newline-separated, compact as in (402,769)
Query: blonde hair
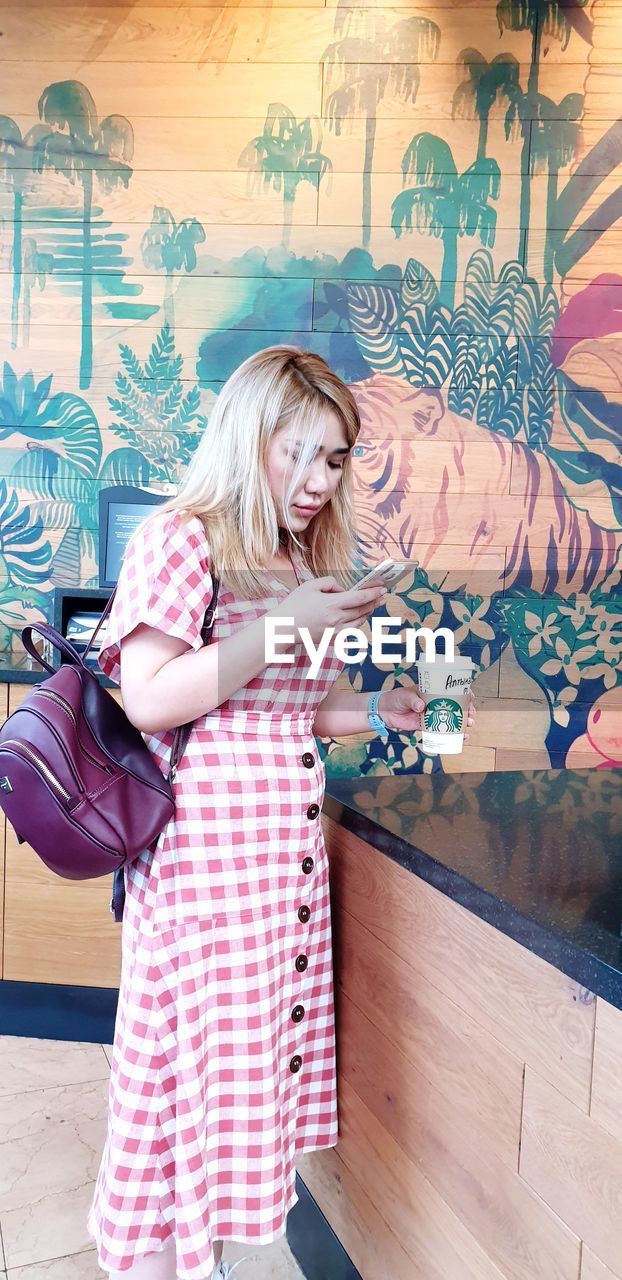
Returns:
(226,483)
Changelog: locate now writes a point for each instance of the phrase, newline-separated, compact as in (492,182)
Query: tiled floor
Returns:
(53,1098)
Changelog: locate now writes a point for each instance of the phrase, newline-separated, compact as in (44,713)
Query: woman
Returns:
(223,1069)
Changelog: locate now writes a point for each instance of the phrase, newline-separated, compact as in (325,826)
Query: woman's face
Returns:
(318,481)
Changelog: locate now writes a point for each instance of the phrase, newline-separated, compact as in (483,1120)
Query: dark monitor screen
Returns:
(121,509)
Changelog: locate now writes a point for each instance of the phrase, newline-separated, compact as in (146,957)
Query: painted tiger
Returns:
(427,479)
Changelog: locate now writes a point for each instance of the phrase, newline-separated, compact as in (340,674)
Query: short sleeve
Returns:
(165,582)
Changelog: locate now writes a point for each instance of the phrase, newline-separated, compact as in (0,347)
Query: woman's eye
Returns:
(336,466)
(358,450)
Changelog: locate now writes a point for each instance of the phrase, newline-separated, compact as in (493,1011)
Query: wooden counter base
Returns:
(479,1091)
(54,930)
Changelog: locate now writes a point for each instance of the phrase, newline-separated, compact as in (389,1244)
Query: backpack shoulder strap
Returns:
(182,734)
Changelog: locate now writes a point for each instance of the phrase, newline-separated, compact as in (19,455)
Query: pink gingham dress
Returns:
(223,1066)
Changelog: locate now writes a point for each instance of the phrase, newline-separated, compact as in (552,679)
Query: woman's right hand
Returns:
(322,603)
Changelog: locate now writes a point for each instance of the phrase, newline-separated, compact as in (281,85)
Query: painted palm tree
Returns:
(284,155)
(484,84)
(446,203)
(171,246)
(16,163)
(82,148)
(541,18)
(555,136)
(369,59)
(36,267)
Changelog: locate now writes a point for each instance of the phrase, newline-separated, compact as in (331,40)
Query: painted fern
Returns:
(152,409)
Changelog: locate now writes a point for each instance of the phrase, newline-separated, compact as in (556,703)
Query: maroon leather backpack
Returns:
(77,780)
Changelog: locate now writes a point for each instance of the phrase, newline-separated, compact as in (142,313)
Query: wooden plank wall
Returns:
(52,929)
(470,301)
(479,1094)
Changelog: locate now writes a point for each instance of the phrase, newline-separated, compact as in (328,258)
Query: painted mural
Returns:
(182,187)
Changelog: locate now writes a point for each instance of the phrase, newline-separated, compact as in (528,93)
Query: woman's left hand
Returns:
(401,709)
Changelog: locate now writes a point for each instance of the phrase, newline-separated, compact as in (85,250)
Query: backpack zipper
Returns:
(46,771)
(49,693)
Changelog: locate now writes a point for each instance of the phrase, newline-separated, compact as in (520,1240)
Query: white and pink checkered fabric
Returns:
(223,1068)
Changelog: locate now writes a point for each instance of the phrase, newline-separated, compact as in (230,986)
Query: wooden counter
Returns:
(480,1091)
(60,948)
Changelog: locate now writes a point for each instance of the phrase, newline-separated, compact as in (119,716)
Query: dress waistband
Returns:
(260,723)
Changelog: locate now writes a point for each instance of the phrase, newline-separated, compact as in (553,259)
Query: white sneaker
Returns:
(224,1270)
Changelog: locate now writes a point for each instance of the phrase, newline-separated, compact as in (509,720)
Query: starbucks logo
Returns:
(443,715)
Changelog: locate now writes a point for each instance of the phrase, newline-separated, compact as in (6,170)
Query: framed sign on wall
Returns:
(121,508)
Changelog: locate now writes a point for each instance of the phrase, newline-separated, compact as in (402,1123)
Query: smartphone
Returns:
(388,573)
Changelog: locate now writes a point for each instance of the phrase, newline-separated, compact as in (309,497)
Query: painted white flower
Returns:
(604,624)
(471,620)
(562,698)
(568,661)
(578,612)
(543,631)
(430,596)
(609,668)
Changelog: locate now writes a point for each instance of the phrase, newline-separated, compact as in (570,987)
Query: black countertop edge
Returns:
(590,971)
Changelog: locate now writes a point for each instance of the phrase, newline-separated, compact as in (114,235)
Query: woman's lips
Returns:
(306,511)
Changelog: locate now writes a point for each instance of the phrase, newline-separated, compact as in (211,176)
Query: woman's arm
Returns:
(164,683)
(342,713)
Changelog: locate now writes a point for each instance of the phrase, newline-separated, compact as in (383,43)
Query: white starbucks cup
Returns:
(444,687)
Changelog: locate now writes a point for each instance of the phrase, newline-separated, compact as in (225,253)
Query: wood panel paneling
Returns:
(467,510)
(82,6)
(416,1037)
(574,1165)
(242,88)
(593,1269)
(434,1236)
(197,142)
(538,1194)
(294,34)
(210,196)
(538,1013)
(606,1104)
(55,930)
(367,1239)
(239,89)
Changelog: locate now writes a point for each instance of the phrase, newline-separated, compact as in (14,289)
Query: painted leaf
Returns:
(426,352)
(418,285)
(586,478)
(48,475)
(540,395)
(590,417)
(374,318)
